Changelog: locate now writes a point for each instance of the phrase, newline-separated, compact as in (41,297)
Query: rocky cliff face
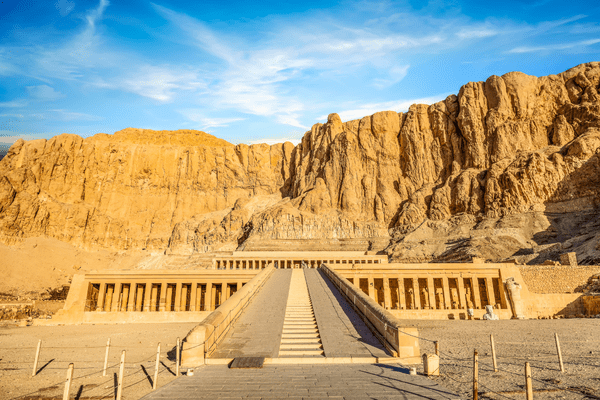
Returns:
(491,172)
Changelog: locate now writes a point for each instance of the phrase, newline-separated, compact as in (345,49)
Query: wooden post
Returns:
(493,353)
(106,357)
(560,360)
(475,375)
(37,357)
(528,387)
(121,373)
(177,357)
(154,381)
(437,348)
(68,382)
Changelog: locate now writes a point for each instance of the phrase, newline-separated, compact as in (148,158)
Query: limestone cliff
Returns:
(493,171)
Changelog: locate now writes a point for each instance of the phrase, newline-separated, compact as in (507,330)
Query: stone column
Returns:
(183,302)
(476,293)
(101,297)
(462,298)
(431,292)
(116,298)
(131,297)
(147,293)
(177,305)
(446,286)
(157,297)
(163,297)
(169,298)
(139,298)
(401,294)
(109,297)
(372,288)
(416,293)
(209,300)
(193,296)
(387,295)
(490,292)
(224,292)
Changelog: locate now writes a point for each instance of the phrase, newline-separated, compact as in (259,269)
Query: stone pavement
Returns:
(257,332)
(315,381)
(343,332)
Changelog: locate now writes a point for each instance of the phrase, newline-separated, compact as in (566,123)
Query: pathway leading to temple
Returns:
(300,336)
(298,320)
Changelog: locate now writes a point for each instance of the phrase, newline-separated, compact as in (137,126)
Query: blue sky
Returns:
(266,71)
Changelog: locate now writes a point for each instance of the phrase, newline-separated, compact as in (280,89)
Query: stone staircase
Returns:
(300,336)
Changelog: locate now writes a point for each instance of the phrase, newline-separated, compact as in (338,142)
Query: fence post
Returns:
(68,382)
(106,357)
(37,357)
(560,360)
(121,372)
(493,353)
(475,375)
(177,357)
(529,388)
(437,348)
(154,381)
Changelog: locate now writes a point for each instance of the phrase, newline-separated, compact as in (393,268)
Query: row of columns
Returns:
(162,296)
(411,294)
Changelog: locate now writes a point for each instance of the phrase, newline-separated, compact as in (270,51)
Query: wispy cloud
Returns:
(205,122)
(66,115)
(14,103)
(398,106)
(43,93)
(554,47)
(64,7)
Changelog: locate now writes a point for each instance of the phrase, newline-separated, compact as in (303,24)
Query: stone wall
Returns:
(556,279)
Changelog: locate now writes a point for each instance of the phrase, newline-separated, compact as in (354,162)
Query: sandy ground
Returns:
(38,264)
(517,342)
(85,346)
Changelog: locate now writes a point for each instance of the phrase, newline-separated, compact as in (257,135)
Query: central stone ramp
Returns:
(300,336)
(343,332)
(257,332)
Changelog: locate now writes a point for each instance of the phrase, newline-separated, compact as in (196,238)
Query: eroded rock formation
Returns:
(488,172)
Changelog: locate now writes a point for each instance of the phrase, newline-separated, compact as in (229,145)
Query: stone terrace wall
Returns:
(556,279)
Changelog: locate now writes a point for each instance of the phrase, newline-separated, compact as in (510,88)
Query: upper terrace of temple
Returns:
(293,259)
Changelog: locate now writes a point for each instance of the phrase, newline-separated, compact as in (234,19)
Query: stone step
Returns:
(301,352)
(306,330)
(312,341)
(299,335)
(312,346)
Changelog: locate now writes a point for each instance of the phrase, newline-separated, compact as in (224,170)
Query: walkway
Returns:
(314,381)
(257,332)
(343,332)
(300,336)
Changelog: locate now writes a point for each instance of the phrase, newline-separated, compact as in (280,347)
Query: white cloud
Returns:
(43,92)
(476,32)
(204,122)
(554,47)
(160,83)
(398,106)
(14,104)
(64,7)
(65,115)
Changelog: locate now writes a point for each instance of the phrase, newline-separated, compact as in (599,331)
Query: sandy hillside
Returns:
(37,264)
